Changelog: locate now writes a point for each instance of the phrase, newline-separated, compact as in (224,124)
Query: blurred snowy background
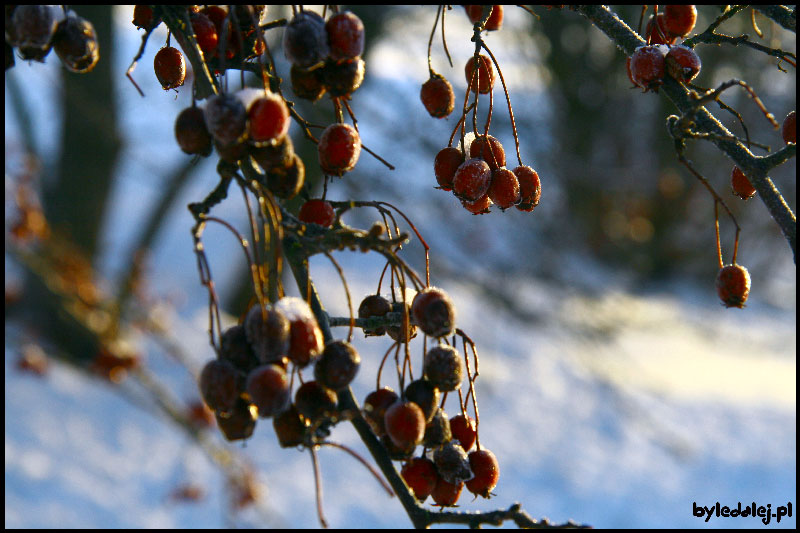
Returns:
(614,388)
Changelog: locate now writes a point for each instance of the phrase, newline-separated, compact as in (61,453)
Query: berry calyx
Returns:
(268,119)
(445,165)
(490,150)
(317,212)
(789,129)
(741,185)
(339,148)
(530,188)
(504,189)
(420,475)
(268,388)
(472,180)
(485,76)
(375,406)
(437,96)
(463,429)
(345,36)
(338,365)
(682,63)
(405,424)
(680,19)
(648,66)
(433,311)
(219,385)
(733,285)
(485,472)
(305,41)
(442,367)
(170,68)
(191,132)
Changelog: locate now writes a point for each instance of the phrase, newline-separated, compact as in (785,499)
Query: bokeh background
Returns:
(615,390)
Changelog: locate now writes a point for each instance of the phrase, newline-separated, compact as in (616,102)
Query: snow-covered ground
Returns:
(609,406)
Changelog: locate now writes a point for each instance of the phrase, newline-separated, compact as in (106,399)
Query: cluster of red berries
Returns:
(325,55)
(35,30)
(416,416)
(250,377)
(660,56)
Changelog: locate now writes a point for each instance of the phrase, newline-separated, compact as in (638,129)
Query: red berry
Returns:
(375,406)
(434,313)
(425,395)
(226,118)
(480,206)
(268,388)
(191,132)
(305,41)
(789,130)
(269,119)
(437,96)
(289,427)
(682,63)
(205,31)
(267,331)
(489,149)
(504,189)
(445,165)
(648,66)
(339,148)
(741,185)
(239,423)
(338,365)
(659,34)
(75,42)
(170,67)
(420,476)
(485,76)
(219,385)
(143,17)
(495,20)
(217,15)
(530,188)
(315,402)
(405,424)
(472,180)
(442,367)
(345,36)
(317,212)
(733,285)
(305,336)
(485,470)
(446,494)
(463,430)
(680,19)
(344,77)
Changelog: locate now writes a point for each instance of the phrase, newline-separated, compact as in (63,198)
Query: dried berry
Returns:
(495,20)
(445,165)
(218,384)
(75,42)
(289,427)
(405,424)
(345,36)
(485,472)
(648,66)
(268,119)
(285,182)
(307,84)
(485,76)
(305,40)
(338,365)
(682,63)
(339,148)
(269,156)
(239,423)
(344,77)
(425,395)
(680,19)
(268,332)
(472,180)
(741,185)
(504,189)
(434,312)
(420,475)
(437,432)
(395,452)
(530,188)
(442,367)
(375,406)
(463,430)
(191,132)
(268,388)
(143,17)
(452,463)
(315,402)
(733,285)
(789,129)
(374,305)
(407,330)
(317,212)
(170,68)
(226,118)
(437,96)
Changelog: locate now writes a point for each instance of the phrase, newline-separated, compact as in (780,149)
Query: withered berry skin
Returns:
(452,463)
(733,285)
(463,430)
(305,40)
(315,402)
(235,349)
(344,77)
(75,42)
(307,84)
(226,118)
(289,427)
(485,76)
(239,423)
(339,148)
(442,367)
(425,395)
(682,63)
(219,385)
(375,405)
(490,150)
(267,333)
(472,180)
(446,494)
(434,312)
(374,305)
(268,119)
(438,97)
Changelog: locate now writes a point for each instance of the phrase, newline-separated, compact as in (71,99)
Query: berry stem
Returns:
(444,40)
(364,462)
(508,100)
(431,72)
(716,228)
(318,485)
(346,293)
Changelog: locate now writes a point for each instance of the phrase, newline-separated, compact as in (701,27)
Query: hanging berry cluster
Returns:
(476,171)
(35,30)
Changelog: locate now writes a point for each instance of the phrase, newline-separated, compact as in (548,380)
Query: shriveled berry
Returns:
(437,96)
(374,305)
(445,165)
(433,311)
(648,66)
(789,129)
(338,365)
(239,423)
(317,211)
(741,185)
(205,32)
(191,132)
(446,494)
(307,84)
(375,406)
(733,285)
(485,472)
(315,402)
(345,36)
(489,149)
(480,206)
(485,75)
(219,385)
(504,189)
(235,349)
(269,156)
(305,40)
(268,388)
(306,341)
(289,427)
(268,119)
(343,77)
(472,180)
(405,424)
(226,118)
(33,28)
(420,475)
(452,463)
(463,430)
(75,42)
(682,63)
(530,188)
(656,31)
(339,148)
(267,331)
(437,432)
(680,19)
(286,181)
(170,68)
(442,367)
(425,395)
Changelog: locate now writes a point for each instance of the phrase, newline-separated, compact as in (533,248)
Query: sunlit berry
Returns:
(339,148)
(375,405)
(445,165)
(433,311)
(268,119)
(463,430)
(530,188)
(480,206)
(267,331)
(682,63)
(425,395)
(442,367)
(504,189)
(472,180)
(733,285)
(489,149)
(75,42)
(219,385)
(268,388)
(658,34)
(445,494)
(485,470)
(317,211)
(485,75)
(345,36)
(338,365)
(405,424)
(170,67)
(305,335)
(648,66)
(741,185)
(680,19)
(437,96)
(420,476)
